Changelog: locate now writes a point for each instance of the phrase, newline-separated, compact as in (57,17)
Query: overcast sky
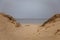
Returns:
(30,8)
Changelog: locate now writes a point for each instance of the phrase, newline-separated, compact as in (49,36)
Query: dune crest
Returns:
(11,19)
(51,20)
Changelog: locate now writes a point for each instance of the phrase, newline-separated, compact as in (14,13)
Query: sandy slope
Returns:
(11,30)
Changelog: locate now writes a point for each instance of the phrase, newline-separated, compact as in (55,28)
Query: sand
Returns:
(11,30)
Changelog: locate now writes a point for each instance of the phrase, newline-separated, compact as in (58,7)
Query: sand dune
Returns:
(12,30)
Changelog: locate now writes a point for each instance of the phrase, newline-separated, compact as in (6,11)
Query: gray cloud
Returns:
(30,8)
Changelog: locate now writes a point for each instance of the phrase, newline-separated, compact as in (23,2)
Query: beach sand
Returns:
(11,30)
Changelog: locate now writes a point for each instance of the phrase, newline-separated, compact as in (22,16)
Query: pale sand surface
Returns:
(10,30)
(28,32)
(35,32)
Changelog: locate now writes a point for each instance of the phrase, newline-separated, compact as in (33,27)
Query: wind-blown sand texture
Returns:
(12,30)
